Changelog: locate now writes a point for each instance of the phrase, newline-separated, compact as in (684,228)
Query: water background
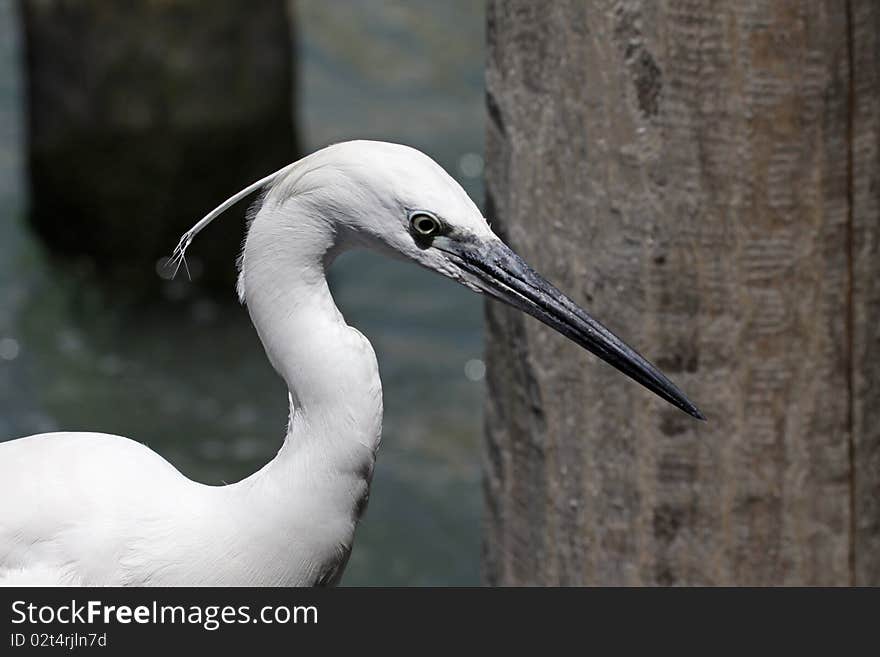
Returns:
(189,377)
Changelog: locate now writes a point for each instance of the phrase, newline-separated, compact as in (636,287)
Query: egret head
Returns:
(388,198)
(397,200)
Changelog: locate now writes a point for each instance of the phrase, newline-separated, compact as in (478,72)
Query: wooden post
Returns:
(703,176)
(145,115)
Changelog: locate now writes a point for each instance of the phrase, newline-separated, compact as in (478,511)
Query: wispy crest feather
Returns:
(178,257)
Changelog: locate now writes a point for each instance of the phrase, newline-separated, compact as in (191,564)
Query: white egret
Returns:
(95,509)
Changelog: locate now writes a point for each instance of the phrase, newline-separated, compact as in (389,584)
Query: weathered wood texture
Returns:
(144,115)
(865,208)
(703,176)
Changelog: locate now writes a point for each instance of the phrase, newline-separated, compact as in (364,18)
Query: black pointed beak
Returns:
(503,275)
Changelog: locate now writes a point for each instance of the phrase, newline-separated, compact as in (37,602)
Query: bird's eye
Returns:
(425,224)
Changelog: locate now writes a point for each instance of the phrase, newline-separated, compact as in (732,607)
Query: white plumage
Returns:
(94,509)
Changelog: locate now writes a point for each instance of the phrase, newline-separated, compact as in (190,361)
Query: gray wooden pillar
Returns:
(703,176)
(142,116)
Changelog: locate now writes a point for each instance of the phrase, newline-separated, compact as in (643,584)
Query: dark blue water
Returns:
(191,380)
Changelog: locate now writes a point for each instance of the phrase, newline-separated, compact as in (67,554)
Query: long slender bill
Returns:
(508,278)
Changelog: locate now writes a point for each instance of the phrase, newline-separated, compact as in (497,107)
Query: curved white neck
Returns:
(313,492)
(329,367)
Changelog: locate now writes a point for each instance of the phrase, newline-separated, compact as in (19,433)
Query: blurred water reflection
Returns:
(189,377)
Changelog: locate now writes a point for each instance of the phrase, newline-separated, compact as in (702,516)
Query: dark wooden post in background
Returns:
(145,115)
(704,177)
